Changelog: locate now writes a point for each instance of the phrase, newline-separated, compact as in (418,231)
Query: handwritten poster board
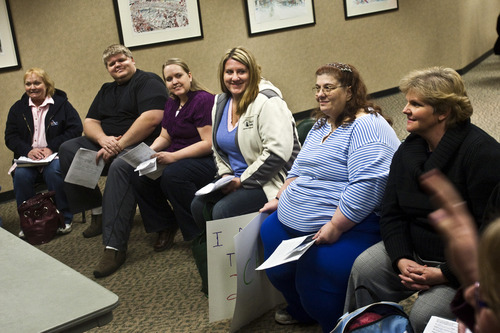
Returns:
(222,274)
(236,290)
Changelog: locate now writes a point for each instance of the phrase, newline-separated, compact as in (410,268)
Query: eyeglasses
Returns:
(479,302)
(326,89)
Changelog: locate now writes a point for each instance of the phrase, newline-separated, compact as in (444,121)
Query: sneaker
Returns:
(95,227)
(284,318)
(66,230)
(21,235)
(110,262)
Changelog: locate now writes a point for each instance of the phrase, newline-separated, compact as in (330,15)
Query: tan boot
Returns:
(110,262)
(95,227)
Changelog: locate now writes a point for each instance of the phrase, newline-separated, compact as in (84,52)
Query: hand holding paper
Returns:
(83,170)
(214,186)
(24,161)
(140,158)
(288,250)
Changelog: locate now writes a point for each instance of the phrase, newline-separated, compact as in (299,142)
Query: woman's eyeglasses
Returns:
(326,89)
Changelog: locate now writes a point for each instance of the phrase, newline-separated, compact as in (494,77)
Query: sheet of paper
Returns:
(442,325)
(140,153)
(140,158)
(214,186)
(83,170)
(150,169)
(289,250)
(24,161)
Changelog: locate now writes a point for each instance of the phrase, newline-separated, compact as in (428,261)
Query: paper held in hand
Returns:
(24,161)
(442,325)
(209,188)
(150,168)
(288,250)
(83,170)
(140,158)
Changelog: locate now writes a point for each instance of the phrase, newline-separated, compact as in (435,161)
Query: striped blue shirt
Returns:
(348,170)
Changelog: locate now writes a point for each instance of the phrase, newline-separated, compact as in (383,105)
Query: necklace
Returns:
(332,129)
(180,107)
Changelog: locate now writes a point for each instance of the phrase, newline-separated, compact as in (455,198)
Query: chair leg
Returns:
(84,219)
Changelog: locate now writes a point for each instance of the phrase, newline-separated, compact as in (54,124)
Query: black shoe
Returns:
(165,240)
(95,227)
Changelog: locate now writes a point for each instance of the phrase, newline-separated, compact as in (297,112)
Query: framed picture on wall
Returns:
(143,22)
(9,57)
(270,15)
(354,8)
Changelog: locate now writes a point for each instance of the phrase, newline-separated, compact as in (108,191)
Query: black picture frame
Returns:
(9,54)
(142,23)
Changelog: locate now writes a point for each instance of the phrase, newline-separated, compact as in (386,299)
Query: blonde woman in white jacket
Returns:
(254,139)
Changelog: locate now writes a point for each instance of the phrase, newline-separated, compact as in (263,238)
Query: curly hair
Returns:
(348,76)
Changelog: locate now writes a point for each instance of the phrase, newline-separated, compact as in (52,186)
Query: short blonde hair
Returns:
(443,89)
(51,88)
(115,49)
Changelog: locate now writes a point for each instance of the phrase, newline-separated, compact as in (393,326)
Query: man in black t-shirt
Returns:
(124,113)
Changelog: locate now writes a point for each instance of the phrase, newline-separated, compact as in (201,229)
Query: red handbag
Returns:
(40,218)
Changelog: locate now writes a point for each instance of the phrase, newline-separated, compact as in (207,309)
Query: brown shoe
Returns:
(95,227)
(165,240)
(110,262)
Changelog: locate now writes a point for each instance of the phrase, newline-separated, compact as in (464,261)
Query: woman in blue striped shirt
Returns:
(333,191)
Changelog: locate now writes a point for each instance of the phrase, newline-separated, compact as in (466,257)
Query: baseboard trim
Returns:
(475,62)
(6,196)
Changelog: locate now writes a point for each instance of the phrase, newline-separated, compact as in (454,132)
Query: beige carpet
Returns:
(159,292)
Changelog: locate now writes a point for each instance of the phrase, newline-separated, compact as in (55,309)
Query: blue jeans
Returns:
(177,185)
(240,202)
(24,185)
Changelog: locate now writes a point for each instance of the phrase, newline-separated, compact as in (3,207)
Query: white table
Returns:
(40,294)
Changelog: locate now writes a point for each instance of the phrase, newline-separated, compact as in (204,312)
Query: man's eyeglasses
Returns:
(326,89)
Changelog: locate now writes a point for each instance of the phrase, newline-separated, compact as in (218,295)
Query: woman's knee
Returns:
(24,177)
(197,211)
(268,229)
(52,173)
(222,210)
